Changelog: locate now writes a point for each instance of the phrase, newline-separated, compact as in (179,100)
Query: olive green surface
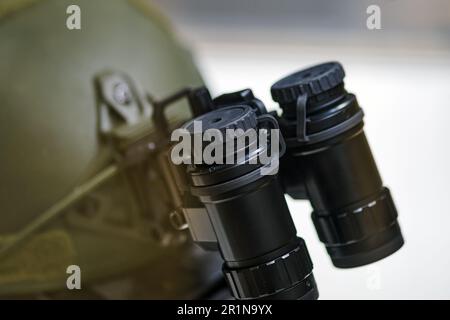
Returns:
(49,139)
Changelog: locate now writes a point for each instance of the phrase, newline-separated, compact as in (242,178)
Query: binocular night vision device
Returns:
(233,207)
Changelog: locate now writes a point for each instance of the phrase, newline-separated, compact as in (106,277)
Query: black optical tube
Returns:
(354,213)
(263,257)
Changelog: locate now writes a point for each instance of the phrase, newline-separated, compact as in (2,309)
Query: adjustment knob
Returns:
(311,81)
(232,117)
(287,277)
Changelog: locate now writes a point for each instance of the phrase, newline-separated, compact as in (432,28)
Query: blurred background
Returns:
(401,76)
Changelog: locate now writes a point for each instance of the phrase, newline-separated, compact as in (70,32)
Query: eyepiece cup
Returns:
(375,248)
(361,234)
(286,277)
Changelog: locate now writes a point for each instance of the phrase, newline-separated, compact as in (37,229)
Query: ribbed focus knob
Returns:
(360,235)
(274,276)
(356,224)
(232,117)
(311,81)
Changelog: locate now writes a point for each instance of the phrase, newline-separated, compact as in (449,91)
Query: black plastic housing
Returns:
(264,258)
(329,154)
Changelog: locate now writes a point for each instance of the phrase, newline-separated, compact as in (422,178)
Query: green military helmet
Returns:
(80,184)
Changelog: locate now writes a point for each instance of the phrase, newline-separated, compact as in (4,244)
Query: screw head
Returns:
(122,93)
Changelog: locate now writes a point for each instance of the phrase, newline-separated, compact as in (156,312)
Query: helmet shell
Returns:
(49,135)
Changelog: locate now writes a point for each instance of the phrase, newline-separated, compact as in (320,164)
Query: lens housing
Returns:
(257,238)
(322,124)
